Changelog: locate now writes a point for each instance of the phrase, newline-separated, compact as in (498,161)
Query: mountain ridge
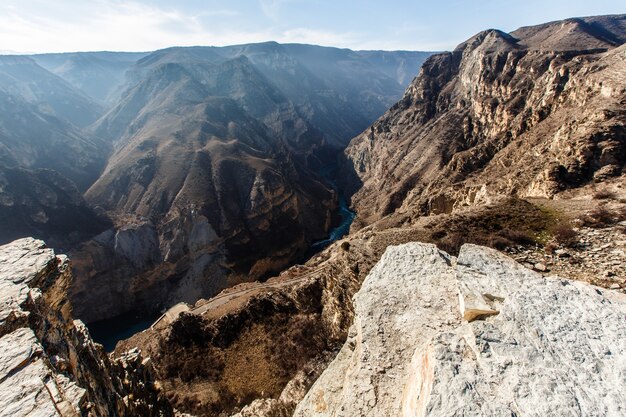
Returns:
(469,108)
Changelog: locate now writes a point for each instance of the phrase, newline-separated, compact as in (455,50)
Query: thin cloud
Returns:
(143,25)
(271,8)
(112,25)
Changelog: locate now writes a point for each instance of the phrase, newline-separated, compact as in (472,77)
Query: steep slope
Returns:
(32,138)
(216,191)
(45,204)
(49,365)
(97,74)
(438,336)
(45,160)
(527,113)
(22,77)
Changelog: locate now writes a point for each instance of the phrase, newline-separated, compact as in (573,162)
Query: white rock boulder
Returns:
(533,346)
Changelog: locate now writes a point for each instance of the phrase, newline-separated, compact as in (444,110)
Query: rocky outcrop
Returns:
(49,365)
(528,113)
(532,345)
(258,347)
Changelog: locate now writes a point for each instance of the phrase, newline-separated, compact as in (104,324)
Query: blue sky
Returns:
(141,25)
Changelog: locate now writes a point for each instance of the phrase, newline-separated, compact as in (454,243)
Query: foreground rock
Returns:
(49,365)
(534,345)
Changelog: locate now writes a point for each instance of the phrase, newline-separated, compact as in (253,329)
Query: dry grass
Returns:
(600,217)
(511,223)
(604,194)
(565,235)
(246,355)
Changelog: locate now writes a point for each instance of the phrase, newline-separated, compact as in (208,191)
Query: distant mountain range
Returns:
(211,162)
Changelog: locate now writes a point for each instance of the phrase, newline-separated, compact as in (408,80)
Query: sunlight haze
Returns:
(36,26)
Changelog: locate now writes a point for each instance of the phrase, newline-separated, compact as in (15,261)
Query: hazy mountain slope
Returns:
(338,91)
(45,157)
(45,204)
(42,161)
(97,74)
(22,77)
(32,138)
(400,63)
(212,179)
(215,188)
(159,93)
(528,113)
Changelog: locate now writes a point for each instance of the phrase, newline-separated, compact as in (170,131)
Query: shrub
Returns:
(565,235)
(500,243)
(604,195)
(188,329)
(516,236)
(550,248)
(452,244)
(598,218)
(439,234)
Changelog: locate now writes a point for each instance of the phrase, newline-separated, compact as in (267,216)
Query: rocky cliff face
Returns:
(528,113)
(474,335)
(49,365)
(198,195)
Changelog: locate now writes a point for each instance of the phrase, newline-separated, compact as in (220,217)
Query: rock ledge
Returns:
(49,365)
(533,345)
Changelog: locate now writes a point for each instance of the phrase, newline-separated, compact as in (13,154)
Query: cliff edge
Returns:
(476,335)
(49,365)
(526,114)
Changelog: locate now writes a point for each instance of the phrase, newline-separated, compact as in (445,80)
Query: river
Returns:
(346,217)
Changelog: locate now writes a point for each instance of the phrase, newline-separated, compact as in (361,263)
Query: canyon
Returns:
(482,272)
(186,170)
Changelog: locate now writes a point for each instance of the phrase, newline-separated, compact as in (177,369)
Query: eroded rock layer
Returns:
(49,365)
(528,113)
(532,346)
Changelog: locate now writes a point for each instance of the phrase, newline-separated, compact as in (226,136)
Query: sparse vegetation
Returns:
(206,365)
(550,247)
(513,222)
(565,235)
(599,218)
(604,194)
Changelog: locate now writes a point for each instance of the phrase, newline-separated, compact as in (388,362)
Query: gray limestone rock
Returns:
(536,345)
(49,365)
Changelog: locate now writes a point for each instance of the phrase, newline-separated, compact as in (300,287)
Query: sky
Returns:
(34,26)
